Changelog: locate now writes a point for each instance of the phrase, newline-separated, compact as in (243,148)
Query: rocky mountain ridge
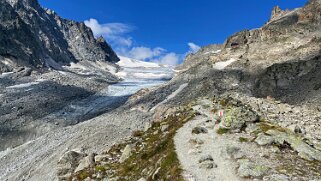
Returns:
(249,107)
(36,37)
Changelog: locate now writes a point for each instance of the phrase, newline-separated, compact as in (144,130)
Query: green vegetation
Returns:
(100,168)
(266,126)
(242,139)
(222,131)
(302,167)
(83,175)
(153,154)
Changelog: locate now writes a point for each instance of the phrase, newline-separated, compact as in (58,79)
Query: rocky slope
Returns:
(46,64)
(266,83)
(35,37)
(251,109)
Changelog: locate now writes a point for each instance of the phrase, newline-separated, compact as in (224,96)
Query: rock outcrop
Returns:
(38,37)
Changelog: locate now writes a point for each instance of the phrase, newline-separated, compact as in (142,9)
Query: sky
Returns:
(164,31)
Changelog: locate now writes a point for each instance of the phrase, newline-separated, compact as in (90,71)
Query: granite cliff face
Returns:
(34,37)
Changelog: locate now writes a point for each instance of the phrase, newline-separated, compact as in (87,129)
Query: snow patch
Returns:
(6,74)
(181,87)
(224,64)
(19,86)
(213,52)
(5,152)
(121,74)
(62,72)
(91,68)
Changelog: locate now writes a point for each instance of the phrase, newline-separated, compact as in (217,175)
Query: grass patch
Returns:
(153,151)
(222,131)
(223,103)
(297,166)
(138,133)
(243,140)
(266,126)
(83,175)
(100,168)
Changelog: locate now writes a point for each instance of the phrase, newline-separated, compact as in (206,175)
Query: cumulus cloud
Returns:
(168,59)
(113,32)
(193,48)
(117,35)
(145,53)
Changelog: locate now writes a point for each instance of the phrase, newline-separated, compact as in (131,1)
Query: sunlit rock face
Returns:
(37,37)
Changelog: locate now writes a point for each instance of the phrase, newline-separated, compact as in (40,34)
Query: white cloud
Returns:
(144,53)
(113,32)
(117,35)
(168,59)
(193,48)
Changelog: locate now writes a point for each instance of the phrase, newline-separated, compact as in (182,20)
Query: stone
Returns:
(296,129)
(147,126)
(194,151)
(232,150)
(236,117)
(100,158)
(250,169)
(86,162)
(263,139)
(155,174)
(164,127)
(126,154)
(276,177)
(297,143)
(207,165)
(196,141)
(199,130)
(251,128)
(142,179)
(275,149)
(68,163)
(205,158)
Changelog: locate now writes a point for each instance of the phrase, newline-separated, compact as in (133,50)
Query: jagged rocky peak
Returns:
(29,3)
(36,37)
(101,42)
(276,12)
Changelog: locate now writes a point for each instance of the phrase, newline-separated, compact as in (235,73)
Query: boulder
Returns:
(205,158)
(276,177)
(250,169)
(208,165)
(236,118)
(199,130)
(126,154)
(100,158)
(86,162)
(297,143)
(68,163)
(263,139)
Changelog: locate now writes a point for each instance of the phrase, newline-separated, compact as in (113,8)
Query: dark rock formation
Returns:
(36,37)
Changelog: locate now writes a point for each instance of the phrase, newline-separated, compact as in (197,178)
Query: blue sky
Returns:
(161,30)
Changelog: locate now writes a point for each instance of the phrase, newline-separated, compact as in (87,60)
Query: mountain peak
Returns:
(276,12)
(60,40)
